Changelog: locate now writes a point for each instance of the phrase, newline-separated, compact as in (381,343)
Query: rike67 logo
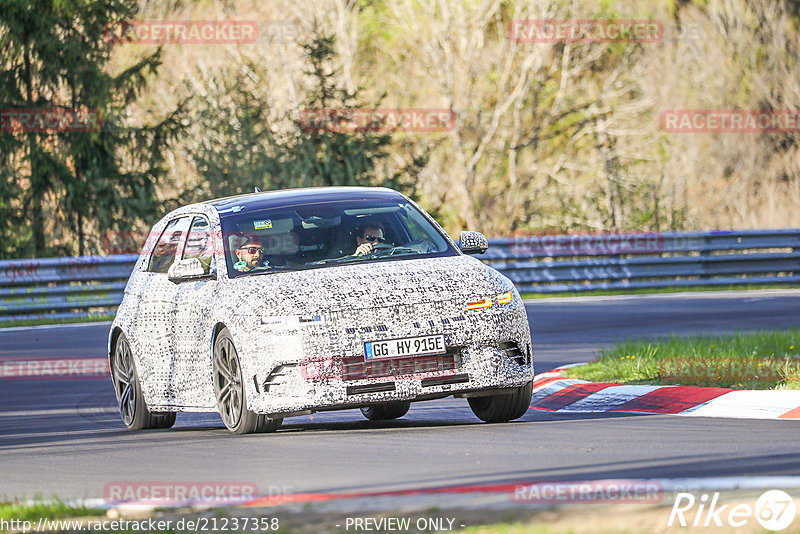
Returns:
(774,510)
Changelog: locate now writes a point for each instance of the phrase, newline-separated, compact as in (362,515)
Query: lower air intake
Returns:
(443,380)
(370,388)
(513,352)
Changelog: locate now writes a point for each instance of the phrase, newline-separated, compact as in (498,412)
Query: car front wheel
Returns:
(229,390)
(501,408)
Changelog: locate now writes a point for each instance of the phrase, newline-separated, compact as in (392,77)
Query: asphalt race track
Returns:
(61,437)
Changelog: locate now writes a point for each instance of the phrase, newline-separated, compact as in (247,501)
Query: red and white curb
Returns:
(552,392)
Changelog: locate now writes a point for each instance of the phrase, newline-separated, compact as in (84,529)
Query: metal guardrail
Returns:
(552,264)
(56,288)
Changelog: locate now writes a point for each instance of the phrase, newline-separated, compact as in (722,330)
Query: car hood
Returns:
(366,285)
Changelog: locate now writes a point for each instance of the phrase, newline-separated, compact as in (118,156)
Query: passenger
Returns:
(251,256)
(370,234)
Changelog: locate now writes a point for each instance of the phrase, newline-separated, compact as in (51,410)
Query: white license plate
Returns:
(409,346)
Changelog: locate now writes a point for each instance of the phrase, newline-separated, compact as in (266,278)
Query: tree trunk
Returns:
(81,246)
(36,196)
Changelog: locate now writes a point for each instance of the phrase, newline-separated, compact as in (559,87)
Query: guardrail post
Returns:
(704,254)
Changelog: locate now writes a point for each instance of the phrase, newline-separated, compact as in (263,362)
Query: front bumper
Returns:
(295,388)
(322,367)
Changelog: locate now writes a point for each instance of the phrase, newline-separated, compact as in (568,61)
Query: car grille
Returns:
(355,368)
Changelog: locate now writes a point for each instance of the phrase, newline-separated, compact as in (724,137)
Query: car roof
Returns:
(308,195)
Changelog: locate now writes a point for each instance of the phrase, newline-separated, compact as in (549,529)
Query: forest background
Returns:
(544,137)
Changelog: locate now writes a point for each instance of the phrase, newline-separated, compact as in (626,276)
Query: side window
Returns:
(167,246)
(200,243)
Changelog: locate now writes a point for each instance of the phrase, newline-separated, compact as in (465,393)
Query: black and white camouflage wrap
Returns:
(473,242)
(300,335)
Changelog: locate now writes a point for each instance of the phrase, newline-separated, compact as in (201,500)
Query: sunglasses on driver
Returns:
(374,239)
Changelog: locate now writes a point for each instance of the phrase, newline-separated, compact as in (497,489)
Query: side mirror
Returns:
(188,269)
(473,243)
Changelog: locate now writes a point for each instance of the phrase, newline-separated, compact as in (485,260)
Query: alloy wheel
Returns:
(228,382)
(123,381)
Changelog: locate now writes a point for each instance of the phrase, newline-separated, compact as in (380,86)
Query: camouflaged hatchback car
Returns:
(278,304)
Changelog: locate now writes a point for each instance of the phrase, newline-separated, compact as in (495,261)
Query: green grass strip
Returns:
(51,510)
(768,359)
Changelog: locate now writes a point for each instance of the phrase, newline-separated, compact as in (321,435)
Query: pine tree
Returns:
(100,175)
(241,146)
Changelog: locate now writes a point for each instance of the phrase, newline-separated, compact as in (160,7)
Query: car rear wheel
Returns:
(382,412)
(230,391)
(130,400)
(501,408)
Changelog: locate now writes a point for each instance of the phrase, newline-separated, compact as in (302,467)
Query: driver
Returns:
(371,234)
(251,256)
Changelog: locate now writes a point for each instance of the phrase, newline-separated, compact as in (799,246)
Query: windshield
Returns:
(310,236)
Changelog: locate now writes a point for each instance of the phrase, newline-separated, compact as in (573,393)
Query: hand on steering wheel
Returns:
(368,248)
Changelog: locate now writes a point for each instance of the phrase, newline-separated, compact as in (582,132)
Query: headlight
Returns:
(503,298)
(478,304)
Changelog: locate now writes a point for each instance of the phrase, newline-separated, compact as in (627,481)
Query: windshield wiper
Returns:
(334,260)
(275,268)
(376,254)
(400,250)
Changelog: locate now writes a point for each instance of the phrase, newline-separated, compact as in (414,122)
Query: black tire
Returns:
(502,408)
(230,392)
(164,419)
(382,412)
(130,400)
